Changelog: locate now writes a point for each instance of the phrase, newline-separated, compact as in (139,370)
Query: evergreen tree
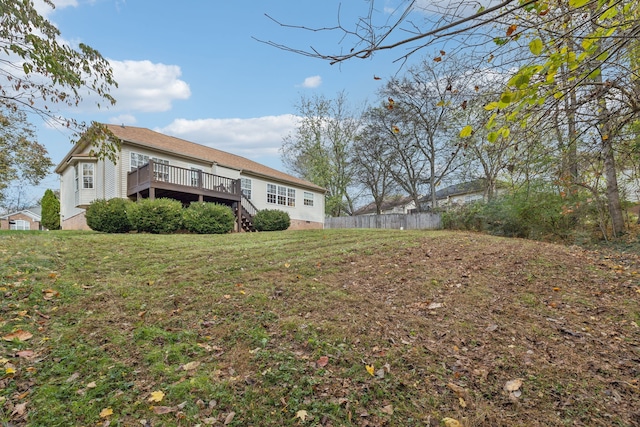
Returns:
(50,211)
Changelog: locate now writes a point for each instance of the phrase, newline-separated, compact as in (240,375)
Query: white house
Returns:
(153,165)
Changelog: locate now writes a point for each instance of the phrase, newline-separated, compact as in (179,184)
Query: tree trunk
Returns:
(613,194)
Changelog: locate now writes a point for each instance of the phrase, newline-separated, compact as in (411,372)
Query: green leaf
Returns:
(466,131)
(536,46)
(578,3)
(492,137)
(491,106)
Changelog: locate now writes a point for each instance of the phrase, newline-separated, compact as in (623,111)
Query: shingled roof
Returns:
(147,138)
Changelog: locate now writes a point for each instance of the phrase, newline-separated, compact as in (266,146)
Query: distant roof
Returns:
(34,212)
(462,188)
(387,204)
(155,140)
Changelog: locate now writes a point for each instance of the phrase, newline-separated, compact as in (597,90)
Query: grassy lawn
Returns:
(316,328)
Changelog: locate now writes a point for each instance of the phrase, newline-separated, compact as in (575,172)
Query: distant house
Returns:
(26,219)
(457,194)
(153,165)
(391,205)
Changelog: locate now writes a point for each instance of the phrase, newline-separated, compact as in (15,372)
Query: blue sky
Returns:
(193,69)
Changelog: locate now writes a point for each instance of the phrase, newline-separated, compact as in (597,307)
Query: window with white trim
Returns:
(308,198)
(87,175)
(137,160)
(245,187)
(76,176)
(195,177)
(160,166)
(19,224)
(277,194)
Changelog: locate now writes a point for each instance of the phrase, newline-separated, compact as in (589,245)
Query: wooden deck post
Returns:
(238,206)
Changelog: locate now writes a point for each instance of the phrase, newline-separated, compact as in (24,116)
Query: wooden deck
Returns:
(156,180)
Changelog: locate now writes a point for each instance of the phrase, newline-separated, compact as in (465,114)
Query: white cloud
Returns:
(312,82)
(147,87)
(255,138)
(46,10)
(123,119)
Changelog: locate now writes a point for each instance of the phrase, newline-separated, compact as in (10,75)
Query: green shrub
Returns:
(109,216)
(159,216)
(208,218)
(271,220)
(469,216)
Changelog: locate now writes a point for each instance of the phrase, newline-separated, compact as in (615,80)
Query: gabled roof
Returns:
(34,213)
(160,142)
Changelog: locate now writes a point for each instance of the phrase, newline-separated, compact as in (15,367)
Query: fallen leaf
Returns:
(229,418)
(387,409)
(92,384)
(25,354)
(162,409)
(370,369)
(513,385)
(106,412)
(302,414)
(322,362)
(156,396)
(434,305)
(380,373)
(20,335)
(287,265)
(50,294)
(190,366)
(451,422)
(9,370)
(19,409)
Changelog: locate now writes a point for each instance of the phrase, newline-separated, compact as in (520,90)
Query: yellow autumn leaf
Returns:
(466,131)
(370,369)
(10,370)
(451,422)
(156,396)
(106,412)
(302,414)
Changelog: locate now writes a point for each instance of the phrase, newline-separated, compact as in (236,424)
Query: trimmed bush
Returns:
(159,216)
(208,218)
(271,220)
(109,216)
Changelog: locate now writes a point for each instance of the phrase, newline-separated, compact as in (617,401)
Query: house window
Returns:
(280,195)
(138,160)
(87,175)
(291,197)
(245,187)
(19,224)
(195,177)
(76,175)
(308,199)
(160,169)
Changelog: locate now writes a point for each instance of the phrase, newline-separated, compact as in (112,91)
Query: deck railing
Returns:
(180,176)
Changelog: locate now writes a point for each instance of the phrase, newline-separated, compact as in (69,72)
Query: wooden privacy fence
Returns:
(420,221)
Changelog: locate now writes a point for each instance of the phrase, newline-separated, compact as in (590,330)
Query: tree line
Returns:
(540,96)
